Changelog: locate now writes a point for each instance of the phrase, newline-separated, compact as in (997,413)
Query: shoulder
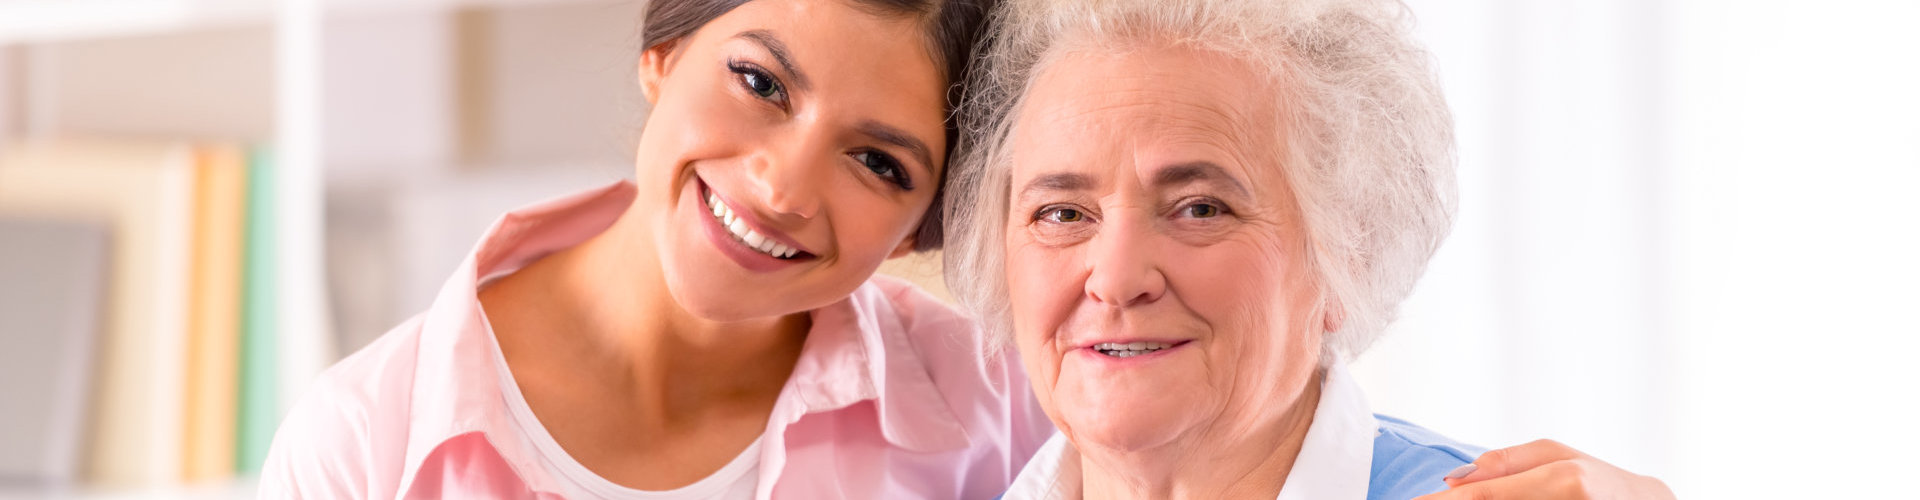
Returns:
(986,390)
(942,339)
(1409,460)
(371,379)
(916,310)
(345,436)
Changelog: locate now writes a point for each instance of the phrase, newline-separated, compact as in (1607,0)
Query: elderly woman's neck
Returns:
(1234,463)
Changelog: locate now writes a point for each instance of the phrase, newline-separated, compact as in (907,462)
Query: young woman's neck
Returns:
(609,299)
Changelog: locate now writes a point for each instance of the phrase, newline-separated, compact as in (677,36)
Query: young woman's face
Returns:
(793,146)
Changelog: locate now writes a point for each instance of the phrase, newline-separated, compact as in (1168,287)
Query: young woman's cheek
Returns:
(872,224)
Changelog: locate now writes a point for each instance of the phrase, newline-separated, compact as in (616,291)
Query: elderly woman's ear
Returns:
(1333,313)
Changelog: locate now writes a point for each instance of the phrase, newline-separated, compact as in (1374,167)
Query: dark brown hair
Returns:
(951,25)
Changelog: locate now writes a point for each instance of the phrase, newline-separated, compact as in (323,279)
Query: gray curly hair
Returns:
(1371,161)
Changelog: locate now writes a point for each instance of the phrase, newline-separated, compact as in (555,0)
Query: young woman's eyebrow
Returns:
(781,55)
(895,136)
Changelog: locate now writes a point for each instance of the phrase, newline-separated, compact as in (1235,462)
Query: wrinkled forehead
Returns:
(1147,105)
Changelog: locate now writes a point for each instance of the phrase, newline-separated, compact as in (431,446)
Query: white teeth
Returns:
(1129,349)
(745,234)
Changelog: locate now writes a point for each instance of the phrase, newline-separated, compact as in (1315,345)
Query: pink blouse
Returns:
(889,399)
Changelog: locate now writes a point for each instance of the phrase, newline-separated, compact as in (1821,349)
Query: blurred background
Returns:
(1686,239)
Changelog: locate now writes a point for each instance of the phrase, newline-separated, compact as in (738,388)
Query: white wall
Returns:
(439,119)
(1685,244)
(389,80)
(215,83)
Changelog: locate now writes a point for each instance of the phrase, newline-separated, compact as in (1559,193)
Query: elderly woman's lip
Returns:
(1168,342)
(1132,348)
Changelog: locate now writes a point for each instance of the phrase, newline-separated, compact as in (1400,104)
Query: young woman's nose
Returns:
(792,180)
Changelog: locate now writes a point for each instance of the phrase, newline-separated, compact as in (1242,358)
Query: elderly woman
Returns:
(1201,209)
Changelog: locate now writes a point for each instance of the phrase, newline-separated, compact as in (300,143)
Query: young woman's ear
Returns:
(906,247)
(654,64)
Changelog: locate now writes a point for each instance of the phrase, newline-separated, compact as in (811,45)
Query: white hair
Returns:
(1370,154)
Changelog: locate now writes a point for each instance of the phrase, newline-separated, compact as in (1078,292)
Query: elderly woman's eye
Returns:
(1063,214)
(1203,209)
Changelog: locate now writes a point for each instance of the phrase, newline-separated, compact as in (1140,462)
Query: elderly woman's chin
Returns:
(1140,407)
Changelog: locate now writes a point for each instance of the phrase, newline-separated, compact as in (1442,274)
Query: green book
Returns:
(259,349)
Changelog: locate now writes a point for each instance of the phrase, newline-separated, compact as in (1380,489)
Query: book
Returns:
(53,286)
(143,190)
(213,322)
(259,411)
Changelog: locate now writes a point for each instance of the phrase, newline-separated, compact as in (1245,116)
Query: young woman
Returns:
(713,329)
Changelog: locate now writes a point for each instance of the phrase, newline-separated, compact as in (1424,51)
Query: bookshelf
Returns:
(397,130)
(40,21)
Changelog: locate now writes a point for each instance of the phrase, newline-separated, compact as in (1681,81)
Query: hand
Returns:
(1546,469)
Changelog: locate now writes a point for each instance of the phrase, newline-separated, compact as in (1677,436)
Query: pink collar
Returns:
(856,351)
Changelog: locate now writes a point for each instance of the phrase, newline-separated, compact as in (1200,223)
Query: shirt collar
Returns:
(456,383)
(1335,461)
(857,350)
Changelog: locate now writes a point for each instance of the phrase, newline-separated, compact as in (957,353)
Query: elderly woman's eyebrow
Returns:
(780,53)
(1062,181)
(1196,172)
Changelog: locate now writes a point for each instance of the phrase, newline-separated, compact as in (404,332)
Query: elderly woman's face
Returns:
(1156,261)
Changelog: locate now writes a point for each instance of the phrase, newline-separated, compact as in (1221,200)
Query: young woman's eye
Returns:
(761,85)
(758,81)
(886,167)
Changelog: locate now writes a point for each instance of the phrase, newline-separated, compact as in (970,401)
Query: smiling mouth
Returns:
(746,235)
(1130,349)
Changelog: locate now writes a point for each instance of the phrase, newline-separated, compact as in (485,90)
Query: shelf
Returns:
(234,489)
(28,21)
(39,21)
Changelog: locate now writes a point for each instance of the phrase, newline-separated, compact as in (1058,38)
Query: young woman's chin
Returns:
(707,289)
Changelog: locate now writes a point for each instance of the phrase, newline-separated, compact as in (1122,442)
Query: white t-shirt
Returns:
(735,481)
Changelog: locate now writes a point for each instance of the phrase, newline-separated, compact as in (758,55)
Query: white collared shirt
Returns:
(1335,461)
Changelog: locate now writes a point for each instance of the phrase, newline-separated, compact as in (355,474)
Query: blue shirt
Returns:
(1348,453)
(1409,460)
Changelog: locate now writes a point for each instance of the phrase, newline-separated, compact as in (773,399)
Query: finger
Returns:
(1552,480)
(1513,460)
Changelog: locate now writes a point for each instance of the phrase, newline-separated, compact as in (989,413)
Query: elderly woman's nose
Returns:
(1124,267)
(788,180)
